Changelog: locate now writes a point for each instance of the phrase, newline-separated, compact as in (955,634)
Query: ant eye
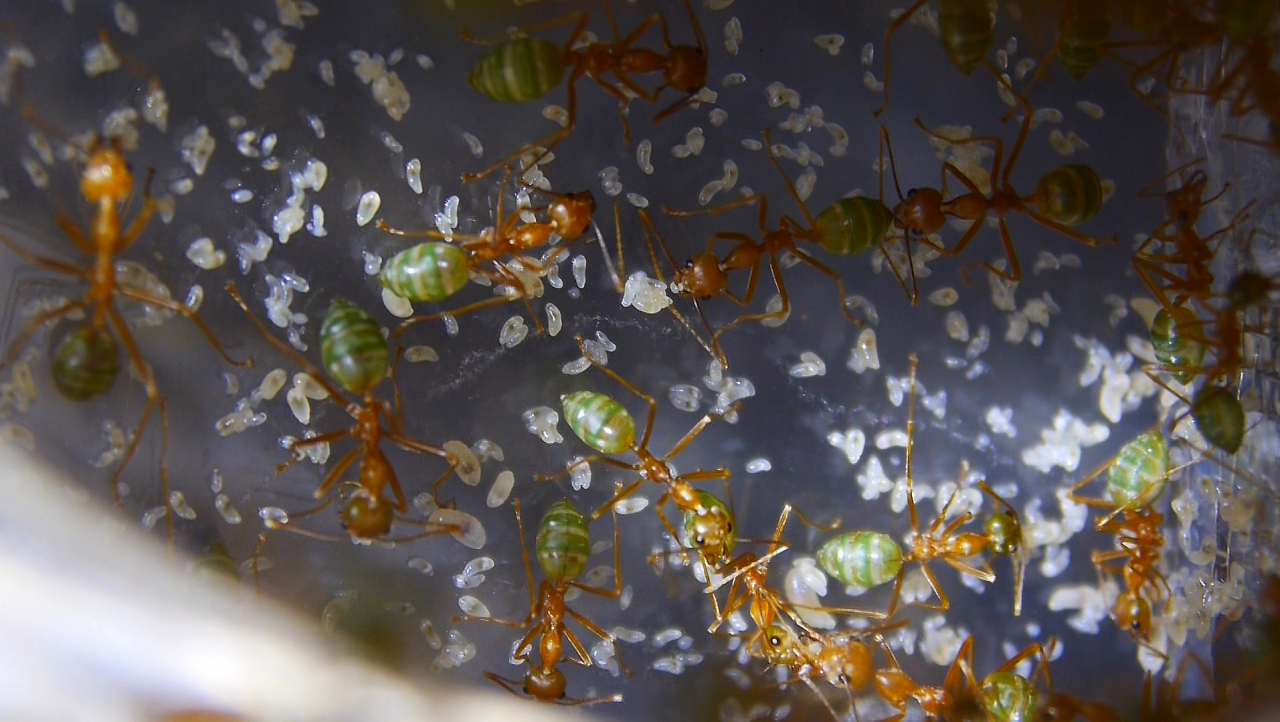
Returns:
(700,540)
(688,263)
(912,193)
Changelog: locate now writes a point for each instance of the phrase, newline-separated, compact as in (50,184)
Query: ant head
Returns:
(921,211)
(545,685)
(1133,614)
(779,643)
(701,277)
(687,69)
(710,530)
(366,517)
(571,214)
(106,175)
(1005,532)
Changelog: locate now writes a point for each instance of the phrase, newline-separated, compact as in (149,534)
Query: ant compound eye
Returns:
(700,540)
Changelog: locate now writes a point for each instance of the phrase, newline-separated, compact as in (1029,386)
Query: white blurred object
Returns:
(99,624)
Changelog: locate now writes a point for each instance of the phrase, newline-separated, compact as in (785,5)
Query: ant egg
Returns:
(501,489)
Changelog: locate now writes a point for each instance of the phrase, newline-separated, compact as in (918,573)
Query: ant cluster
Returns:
(1204,324)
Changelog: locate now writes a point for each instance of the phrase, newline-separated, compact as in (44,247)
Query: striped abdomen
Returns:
(861,558)
(1140,472)
(965,26)
(427,272)
(1008,697)
(1084,26)
(519,70)
(1219,417)
(1070,194)
(1174,339)
(852,225)
(563,545)
(352,348)
(86,362)
(601,422)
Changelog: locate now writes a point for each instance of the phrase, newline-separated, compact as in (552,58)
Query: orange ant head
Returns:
(1005,532)
(106,175)
(1133,614)
(701,277)
(686,69)
(545,685)
(571,214)
(920,211)
(778,645)
(366,517)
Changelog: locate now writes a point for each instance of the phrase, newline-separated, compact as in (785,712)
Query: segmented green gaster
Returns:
(1008,697)
(965,27)
(563,545)
(710,529)
(1174,339)
(852,225)
(85,362)
(1219,416)
(601,422)
(861,558)
(1084,26)
(427,272)
(1140,472)
(1071,194)
(1004,531)
(519,70)
(352,348)
(1244,21)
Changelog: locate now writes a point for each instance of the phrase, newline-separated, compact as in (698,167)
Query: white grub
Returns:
(1061,443)
(542,421)
(473,607)
(831,43)
(513,332)
(944,297)
(1093,110)
(871,83)
(685,397)
(805,183)
(957,326)
(367,208)
(554,320)
(873,480)
(810,365)
(643,153)
(609,180)
(424,61)
(202,253)
(732,34)
(774,306)
(890,438)
(391,143)
(468,466)
(851,442)
(317,125)
(868,54)
(717,117)
(501,489)
(647,295)
(557,115)
(579,473)
(1094,604)
(999,419)
(758,465)
(242,195)
(864,354)
(178,502)
(470,532)
(638,200)
(579,265)
(733,79)
(99,58)
(1060,143)
(709,191)
(195,297)
(243,417)
(197,147)
(182,186)
(804,586)
(388,90)
(474,145)
(631,505)
(226,509)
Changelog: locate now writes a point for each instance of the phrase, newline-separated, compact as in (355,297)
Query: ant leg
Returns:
(835,278)
(713,210)
(781,313)
(76,235)
(888,39)
(943,603)
(316,375)
(37,322)
(153,394)
(430,233)
(1014,274)
(336,473)
(253,564)
(579,17)
(985,575)
(1069,231)
(321,439)
(183,310)
(1150,190)
(50,264)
